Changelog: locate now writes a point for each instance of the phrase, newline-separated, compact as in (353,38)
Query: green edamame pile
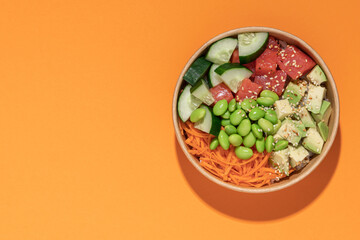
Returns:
(248,124)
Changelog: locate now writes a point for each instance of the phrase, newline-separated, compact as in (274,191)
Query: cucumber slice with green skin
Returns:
(214,78)
(187,103)
(210,123)
(232,74)
(201,91)
(251,45)
(197,70)
(220,52)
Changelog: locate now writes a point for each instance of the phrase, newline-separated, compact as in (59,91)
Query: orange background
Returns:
(87,146)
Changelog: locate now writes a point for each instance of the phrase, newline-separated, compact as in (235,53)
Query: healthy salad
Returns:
(253,109)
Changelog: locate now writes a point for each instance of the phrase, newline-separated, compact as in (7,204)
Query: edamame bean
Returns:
(220,107)
(214,144)
(268,93)
(256,113)
(197,115)
(236,117)
(281,144)
(276,127)
(269,143)
(230,129)
(232,105)
(224,140)
(257,131)
(235,140)
(244,128)
(225,122)
(248,104)
(271,116)
(266,125)
(243,152)
(238,105)
(265,101)
(249,140)
(226,115)
(260,145)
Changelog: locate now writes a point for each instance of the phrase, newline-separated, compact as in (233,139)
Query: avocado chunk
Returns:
(280,160)
(283,108)
(301,127)
(324,114)
(323,130)
(292,94)
(289,131)
(306,117)
(313,141)
(314,98)
(295,91)
(277,137)
(297,155)
(317,75)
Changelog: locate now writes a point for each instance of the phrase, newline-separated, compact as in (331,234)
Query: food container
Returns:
(331,95)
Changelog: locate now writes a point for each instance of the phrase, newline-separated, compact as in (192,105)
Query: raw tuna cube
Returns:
(221,91)
(274,83)
(235,56)
(248,89)
(251,67)
(273,44)
(266,63)
(294,62)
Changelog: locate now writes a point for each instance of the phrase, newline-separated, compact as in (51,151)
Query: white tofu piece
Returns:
(283,108)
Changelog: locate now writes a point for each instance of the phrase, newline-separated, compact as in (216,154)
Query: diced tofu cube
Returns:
(283,108)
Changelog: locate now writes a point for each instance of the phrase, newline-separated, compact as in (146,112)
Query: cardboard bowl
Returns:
(331,95)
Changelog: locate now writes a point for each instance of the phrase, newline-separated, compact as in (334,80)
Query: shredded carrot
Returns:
(254,172)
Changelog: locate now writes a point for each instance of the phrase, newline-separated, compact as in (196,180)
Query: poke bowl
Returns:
(255,109)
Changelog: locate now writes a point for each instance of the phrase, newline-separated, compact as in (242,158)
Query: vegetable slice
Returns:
(232,74)
(202,92)
(187,103)
(251,45)
(210,123)
(221,51)
(197,70)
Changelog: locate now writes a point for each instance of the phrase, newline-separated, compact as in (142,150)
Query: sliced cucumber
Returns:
(232,74)
(251,45)
(201,91)
(210,123)
(187,103)
(214,78)
(220,52)
(197,70)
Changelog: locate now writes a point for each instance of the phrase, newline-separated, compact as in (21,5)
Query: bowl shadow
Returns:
(265,206)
